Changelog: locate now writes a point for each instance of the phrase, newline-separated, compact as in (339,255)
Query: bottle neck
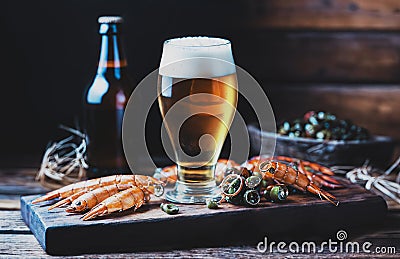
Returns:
(112,57)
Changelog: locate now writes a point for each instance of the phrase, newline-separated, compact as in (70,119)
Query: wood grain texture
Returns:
(192,227)
(12,179)
(17,246)
(326,14)
(11,223)
(17,182)
(16,242)
(13,246)
(320,57)
(374,107)
(9,204)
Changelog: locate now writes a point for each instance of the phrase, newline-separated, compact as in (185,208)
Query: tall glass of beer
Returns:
(197,97)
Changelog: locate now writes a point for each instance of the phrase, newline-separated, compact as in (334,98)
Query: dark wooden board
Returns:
(196,226)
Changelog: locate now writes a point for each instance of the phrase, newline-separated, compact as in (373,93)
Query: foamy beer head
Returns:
(194,57)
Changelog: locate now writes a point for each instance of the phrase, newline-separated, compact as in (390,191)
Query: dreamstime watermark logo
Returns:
(341,235)
(330,246)
(215,104)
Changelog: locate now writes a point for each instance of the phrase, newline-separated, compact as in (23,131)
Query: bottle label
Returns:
(112,63)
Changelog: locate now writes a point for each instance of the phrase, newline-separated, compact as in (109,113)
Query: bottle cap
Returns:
(110,19)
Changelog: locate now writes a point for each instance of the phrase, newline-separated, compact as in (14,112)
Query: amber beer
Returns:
(197,88)
(210,113)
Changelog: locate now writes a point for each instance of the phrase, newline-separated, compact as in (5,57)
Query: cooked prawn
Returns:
(141,181)
(132,197)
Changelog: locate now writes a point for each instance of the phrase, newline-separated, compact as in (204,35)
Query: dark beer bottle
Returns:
(105,101)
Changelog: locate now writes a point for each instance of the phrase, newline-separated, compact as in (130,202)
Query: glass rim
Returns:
(224,42)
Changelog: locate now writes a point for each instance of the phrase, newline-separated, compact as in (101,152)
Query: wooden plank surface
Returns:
(11,223)
(17,244)
(12,179)
(197,226)
(373,107)
(326,14)
(291,56)
(15,182)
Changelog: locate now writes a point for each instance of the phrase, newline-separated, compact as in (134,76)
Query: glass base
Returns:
(193,193)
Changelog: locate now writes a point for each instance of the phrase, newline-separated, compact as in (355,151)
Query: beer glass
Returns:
(197,97)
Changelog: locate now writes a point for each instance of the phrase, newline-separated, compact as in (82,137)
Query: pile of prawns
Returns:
(105,195)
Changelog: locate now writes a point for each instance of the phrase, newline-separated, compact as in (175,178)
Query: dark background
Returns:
(342,56)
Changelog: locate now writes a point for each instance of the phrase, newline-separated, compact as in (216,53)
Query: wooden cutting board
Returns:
(301,216)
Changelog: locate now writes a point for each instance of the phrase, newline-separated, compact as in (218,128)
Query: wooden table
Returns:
(16,240)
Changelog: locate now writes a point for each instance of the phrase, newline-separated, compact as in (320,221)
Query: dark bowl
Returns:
(378,150)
